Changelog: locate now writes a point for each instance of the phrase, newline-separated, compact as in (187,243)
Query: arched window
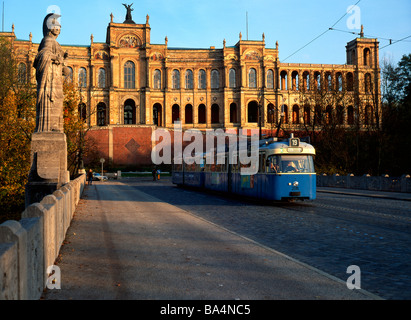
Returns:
(176,79)
(270,79)
(101,114)
(215,79)
(350,82)
(329,115)
(189,79)
(283,76)
(340,114)
(353,57)
(233,113)
(188,117)
(296,114)
(231,78)
(367,57)
(252,78)
(306,80)
(328,78)
(367,82)
(22,73)
(157,79)
(253,112)
(202,80)
(317,80)
(129,112)
(201,113)
(270,114)
(318,115)
(69,76)
(82,111)
(284,113)
(215,113)
(294,78)
(175,113)
(350,115)
(368,118)
(338,80)
(101,78)
(157,114)
(129,75)
(307,115)
(82,78)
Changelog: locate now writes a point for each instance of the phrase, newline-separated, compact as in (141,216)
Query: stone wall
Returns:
(29,246)
(366,182)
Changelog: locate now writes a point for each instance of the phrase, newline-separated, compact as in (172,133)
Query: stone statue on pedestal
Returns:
(49,65)
(48,144)
(129,19)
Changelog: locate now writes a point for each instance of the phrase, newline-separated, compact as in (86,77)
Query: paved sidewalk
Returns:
(127,244)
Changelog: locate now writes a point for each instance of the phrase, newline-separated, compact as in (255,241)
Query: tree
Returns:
(323,104)
(396,84)
(79,145)
(17,122)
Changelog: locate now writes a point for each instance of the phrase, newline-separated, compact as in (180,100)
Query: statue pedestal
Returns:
(48,165)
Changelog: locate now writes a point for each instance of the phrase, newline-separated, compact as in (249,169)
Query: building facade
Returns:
(130,86)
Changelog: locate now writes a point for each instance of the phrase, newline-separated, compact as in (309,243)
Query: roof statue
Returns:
(129,19)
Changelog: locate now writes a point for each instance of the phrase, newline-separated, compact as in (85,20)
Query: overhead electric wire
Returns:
(392,41)
(322,32)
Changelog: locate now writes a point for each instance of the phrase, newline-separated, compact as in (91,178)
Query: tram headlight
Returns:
(295,183)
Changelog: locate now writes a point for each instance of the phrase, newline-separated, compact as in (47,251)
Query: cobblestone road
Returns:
(330,233)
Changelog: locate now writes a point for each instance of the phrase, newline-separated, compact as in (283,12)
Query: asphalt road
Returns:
(138,239)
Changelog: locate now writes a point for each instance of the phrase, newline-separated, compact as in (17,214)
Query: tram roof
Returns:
(285,147)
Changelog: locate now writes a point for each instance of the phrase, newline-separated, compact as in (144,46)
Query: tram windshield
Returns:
(290,164)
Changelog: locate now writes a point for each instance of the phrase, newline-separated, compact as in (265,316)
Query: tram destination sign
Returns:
(294,150)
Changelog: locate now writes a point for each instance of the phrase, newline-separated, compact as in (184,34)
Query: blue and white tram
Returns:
(285,172)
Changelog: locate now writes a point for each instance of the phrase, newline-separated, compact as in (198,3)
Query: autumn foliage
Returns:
(17,122)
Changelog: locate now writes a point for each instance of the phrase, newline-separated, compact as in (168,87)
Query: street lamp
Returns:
(80,163)
(282,115)
(102,160)
(260,115)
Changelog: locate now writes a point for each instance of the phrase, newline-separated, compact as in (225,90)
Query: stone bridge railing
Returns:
(29,246)
(366,182)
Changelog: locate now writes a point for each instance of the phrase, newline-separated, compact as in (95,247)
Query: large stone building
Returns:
(130,86)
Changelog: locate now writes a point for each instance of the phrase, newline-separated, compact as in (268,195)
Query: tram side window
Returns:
(272,164)
(190,167)
(220,167)
(178,167)
(210,167)
(234,165)
(262,166)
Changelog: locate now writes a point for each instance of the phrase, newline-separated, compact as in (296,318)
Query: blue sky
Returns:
(201,24)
